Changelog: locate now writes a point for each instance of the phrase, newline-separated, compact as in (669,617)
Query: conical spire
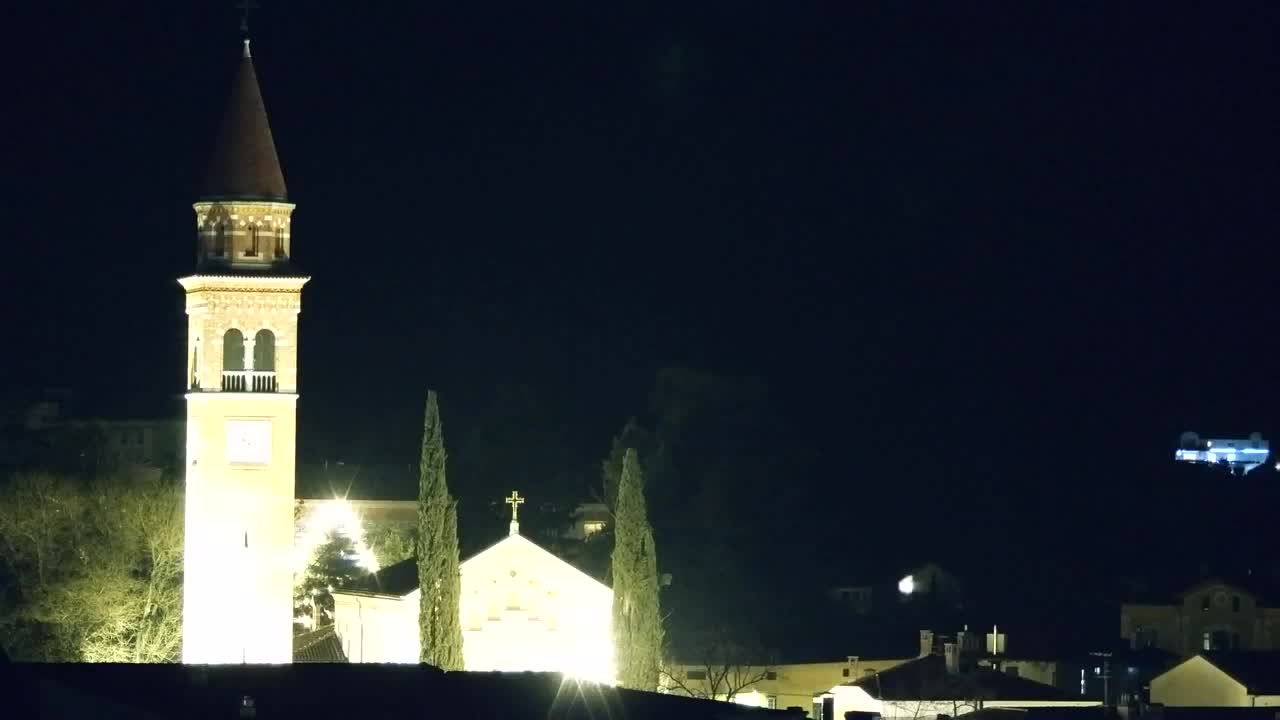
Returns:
(244,164)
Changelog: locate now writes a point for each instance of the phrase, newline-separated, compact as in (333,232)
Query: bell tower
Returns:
(242,391)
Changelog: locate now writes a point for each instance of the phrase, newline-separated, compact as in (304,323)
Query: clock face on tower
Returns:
(249,442)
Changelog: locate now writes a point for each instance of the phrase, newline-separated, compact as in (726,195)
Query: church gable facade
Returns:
(522,609)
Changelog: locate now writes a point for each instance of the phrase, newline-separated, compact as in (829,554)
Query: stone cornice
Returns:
(243,283)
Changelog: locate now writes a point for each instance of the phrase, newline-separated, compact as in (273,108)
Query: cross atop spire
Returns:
(245,7)
(515,501)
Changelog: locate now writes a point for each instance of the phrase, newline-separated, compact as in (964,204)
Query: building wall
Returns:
(522,609)
(850,698)
(1197,683)
(1213,607)
(149,442)
(239,512)
(782,685)
(1048,672)
(376,629)
(239,534)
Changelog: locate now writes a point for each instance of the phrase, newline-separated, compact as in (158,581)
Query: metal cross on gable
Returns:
(515,501)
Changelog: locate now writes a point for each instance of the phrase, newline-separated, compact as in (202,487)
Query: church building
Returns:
(242,308)
(523,609)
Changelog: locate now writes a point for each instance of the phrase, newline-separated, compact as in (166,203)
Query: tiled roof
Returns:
(927,678)
(340,691)
(318,646)
(244,165)
(1257,670)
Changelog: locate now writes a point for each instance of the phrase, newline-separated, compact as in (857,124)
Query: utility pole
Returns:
(1106,676)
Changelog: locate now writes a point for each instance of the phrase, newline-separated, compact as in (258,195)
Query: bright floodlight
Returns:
(907,585)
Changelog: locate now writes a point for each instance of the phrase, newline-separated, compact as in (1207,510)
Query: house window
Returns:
(772,701)
(279,236)
(1220,640)
(771,675)
(696,674)
(845,672)
(1145,638)
(253,242)
(592,527)
(1235,603)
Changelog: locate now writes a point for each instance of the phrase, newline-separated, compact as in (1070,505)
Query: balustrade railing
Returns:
(248,381)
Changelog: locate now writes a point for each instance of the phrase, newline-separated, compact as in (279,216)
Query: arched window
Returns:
(264,360)
(233,350)
(220,239)
(264,350)
(233,360)
(253,242)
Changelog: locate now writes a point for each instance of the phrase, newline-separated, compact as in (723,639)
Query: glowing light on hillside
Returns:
(331,516)
(907,585)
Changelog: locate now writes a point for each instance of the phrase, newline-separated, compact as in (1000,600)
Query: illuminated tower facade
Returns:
(242,376)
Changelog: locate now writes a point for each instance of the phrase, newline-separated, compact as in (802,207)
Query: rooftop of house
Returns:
(1156,712)
(1257,670)
(1041,713)
(335,691)
(927,678)
(318,646)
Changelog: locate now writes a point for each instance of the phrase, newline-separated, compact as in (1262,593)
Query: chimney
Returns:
(926,642)
(952,654)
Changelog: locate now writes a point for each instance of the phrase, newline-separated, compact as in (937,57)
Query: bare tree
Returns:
(722,668)
(97,568)
(944,693)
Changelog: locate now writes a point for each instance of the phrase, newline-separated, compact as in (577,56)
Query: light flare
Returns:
(331,516)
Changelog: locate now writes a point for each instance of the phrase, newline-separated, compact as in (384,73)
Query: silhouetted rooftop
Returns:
(333,691)
(1257,670)
(927,678)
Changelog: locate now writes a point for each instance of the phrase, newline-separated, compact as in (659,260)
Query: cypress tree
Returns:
(439,578)
(637,618)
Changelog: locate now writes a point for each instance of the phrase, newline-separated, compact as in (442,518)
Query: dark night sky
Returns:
(993,256)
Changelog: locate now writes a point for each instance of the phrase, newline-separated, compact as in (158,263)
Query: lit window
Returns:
(592,527)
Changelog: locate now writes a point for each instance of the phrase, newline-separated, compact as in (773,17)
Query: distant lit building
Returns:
(1213,615)
(588,519)
(927,583)
(1238,456)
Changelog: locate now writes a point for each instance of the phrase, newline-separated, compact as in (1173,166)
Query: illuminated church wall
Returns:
(522,609)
